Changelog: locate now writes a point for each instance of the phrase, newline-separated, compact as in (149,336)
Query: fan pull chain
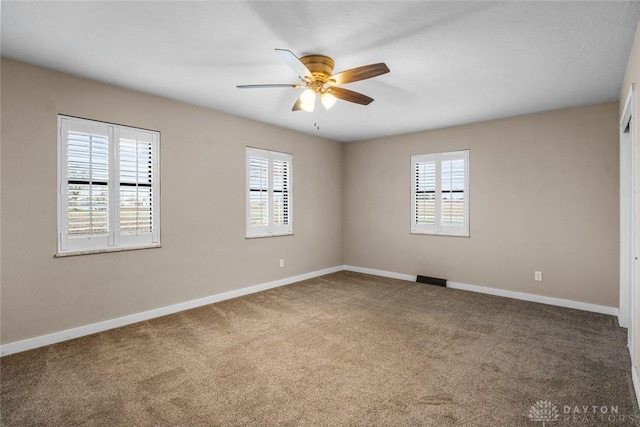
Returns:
(316,119)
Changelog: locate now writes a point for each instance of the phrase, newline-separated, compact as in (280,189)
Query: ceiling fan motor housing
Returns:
(320,66)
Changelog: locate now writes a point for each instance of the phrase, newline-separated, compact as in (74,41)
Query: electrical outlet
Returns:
(281,263)
(537,276)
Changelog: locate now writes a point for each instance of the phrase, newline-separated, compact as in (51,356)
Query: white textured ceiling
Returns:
(451,62)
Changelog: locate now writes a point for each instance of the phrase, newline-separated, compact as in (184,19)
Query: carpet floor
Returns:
(346,349)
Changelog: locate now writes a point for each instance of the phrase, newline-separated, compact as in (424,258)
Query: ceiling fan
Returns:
(316,75)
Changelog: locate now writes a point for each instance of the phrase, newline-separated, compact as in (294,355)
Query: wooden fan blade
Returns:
(351,96)
(268,86)
(360,73)
(296,65)
(297,106)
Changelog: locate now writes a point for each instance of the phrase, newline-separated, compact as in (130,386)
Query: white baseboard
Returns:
(634,376)
(382,273)
(636,382)
(613,311)
(585,306)
(31,343)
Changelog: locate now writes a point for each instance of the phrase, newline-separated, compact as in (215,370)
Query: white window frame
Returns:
(114,240)
(437,228)
(270,229)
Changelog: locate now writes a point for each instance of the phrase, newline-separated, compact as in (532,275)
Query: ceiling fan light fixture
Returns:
(328,100)
(308,100)
(321,84)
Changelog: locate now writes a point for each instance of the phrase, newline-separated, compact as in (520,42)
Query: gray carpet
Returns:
(342,349)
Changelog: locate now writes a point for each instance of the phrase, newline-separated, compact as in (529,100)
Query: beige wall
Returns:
(544,196)
(203,207)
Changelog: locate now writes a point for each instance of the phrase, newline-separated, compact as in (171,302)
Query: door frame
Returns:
(628,301)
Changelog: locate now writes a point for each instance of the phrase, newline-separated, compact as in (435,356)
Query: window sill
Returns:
(104,251)
(263,236)
(424,233)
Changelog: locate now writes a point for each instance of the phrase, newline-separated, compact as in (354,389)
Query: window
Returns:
(109,195)
(440,193)
(269,210)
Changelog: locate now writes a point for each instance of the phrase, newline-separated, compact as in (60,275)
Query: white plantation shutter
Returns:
(259,192)
(280,173)
(108,192)
(84,186)
(87,183)
(137,182)
(440,193)
(425,193)
(268,193)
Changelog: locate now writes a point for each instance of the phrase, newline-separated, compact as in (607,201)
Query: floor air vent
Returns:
(432,281)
